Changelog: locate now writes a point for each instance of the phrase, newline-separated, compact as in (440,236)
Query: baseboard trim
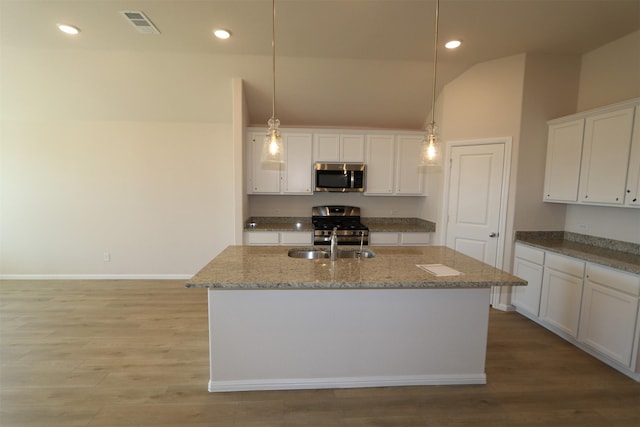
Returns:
(95,276)
(346,382)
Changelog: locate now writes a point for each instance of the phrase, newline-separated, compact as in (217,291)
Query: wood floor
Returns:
(134,353)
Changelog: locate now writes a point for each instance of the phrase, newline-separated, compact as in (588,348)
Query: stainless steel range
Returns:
(346,219)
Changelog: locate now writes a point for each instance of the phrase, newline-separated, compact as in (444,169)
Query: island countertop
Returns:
(393,267)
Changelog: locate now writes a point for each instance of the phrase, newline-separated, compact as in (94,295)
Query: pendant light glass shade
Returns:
(431,146)
(272,148)
(431,143)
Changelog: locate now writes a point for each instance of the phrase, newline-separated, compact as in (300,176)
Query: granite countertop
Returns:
(402,225)
(611,253)
(393,267)
(278,223)
(375,224)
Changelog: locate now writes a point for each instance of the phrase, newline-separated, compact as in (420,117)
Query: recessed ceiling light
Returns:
(222,34)
(452,44)
(68,29)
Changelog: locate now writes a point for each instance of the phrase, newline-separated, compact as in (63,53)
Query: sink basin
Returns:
(309,253)
(320,253)
(355,253)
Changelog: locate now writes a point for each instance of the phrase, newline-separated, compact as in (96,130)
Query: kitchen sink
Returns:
(356,253)
(320,253)
(309,253)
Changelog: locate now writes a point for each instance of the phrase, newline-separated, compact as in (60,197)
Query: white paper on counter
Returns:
(439,270)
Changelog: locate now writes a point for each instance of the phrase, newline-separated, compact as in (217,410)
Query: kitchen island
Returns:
(277,322)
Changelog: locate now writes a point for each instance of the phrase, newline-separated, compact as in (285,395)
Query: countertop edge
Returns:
(606,257)
(350,286)
(375,224)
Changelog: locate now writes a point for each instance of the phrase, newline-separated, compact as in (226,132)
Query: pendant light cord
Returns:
(273,56)
(435,62)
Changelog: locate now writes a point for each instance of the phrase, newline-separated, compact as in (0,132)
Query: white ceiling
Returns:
(360,63)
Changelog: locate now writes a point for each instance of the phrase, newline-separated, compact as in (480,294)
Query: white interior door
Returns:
(475,200)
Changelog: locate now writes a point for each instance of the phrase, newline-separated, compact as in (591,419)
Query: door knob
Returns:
(493,234)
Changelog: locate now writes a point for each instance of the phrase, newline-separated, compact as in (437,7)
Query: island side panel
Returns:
(297,339)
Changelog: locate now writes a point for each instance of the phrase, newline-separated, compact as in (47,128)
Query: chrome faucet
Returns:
(334,244)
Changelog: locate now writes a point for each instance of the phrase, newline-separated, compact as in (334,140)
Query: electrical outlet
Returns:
(106,257)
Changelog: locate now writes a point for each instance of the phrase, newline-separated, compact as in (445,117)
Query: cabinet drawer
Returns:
(565,264)
(533,255)
(615,279)
(383,238)
(409,239)
(296,238)
(262,238)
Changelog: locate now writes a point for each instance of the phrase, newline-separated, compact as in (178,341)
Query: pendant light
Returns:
(272,147)
(431,143)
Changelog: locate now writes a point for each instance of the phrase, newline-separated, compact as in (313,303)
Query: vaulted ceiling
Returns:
(361,63)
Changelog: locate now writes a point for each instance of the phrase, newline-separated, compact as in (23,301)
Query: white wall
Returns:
(113,152)
(550,90)
(300,206)
(608,75)
(484,102)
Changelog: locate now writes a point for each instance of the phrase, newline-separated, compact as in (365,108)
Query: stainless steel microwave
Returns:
(339,177)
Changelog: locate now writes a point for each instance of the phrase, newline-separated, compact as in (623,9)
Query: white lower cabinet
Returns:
(609,313)
(271,238)
(385,238)
(594,307)
(562,282)
(528,264)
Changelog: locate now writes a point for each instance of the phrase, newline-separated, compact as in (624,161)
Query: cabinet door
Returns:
(352,148)
(297,172)
(562,173)
(527,298)
(380,164)
(410,175)
(326,147)
(608,321)
(333,147)
(605,157)
(561,297)
(264,178)
(562,282)
(632,196)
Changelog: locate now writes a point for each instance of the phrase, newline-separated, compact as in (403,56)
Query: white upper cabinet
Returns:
(294,176)
(392,160)
(297,169)
(334,147)
(263,178)
(605,157)
(632,194)
(590,158)
(393,165)
(410,176)
(380,151)
(564,148)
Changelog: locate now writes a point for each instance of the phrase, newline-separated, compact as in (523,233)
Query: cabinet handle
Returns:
(628,190)
(635,200)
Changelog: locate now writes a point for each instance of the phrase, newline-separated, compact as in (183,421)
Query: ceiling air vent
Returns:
(140,22)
